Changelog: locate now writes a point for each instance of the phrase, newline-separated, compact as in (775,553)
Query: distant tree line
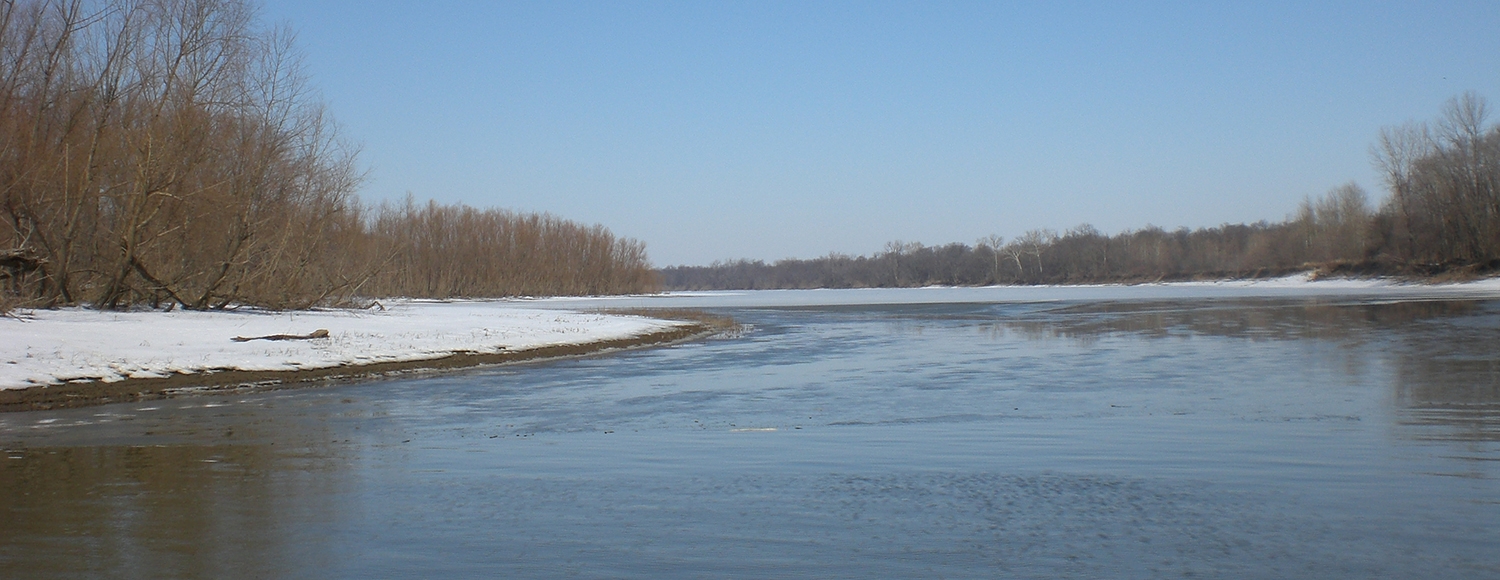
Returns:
(1442,216)
(440,251)
(171,153)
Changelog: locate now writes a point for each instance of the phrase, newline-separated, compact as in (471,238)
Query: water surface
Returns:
(958,434)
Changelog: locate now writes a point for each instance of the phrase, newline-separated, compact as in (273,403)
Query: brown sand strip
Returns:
(80,394)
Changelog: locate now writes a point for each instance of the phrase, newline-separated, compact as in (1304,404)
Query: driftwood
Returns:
(319,333)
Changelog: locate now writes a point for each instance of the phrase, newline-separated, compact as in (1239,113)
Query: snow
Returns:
(1295,286)
(54,346)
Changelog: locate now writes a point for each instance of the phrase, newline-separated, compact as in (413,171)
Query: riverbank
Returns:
(684,278)
(78,357)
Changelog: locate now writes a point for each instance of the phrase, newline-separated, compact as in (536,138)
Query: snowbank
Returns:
(56,346)
(1294,286)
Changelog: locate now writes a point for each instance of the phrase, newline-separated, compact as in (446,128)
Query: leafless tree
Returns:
(992,244)
(1444,181)
(171,152)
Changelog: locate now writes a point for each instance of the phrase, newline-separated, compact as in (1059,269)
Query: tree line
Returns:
(1442,216)
(172,153)
(436,250)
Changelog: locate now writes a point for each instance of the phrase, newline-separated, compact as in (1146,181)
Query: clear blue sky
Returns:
(767,130)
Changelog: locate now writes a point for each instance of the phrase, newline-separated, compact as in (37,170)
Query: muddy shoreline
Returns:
(89,393)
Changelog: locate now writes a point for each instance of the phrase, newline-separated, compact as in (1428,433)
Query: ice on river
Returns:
(1298,285)
(53,346)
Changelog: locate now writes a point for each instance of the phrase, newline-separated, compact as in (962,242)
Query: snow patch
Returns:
(46,347)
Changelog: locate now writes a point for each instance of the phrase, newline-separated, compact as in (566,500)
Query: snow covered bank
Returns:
(59,346)
(1295,286)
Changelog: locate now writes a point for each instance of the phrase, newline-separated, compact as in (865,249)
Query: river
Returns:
(1139,432)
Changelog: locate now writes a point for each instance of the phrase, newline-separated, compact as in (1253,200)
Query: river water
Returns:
(1143,432)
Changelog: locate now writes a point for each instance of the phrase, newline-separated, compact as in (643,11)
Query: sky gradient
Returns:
(766,130)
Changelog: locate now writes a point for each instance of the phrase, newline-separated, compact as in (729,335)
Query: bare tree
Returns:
(1444,181)
(992,243)
(1034,243)
(171,152)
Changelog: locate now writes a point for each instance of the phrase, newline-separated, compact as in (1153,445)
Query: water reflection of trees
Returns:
(1251,319)
(212,510)
(1449,377)
(1444,355)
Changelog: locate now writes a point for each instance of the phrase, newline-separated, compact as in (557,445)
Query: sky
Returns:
(769,130)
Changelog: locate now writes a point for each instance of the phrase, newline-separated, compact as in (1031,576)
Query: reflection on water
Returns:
(1445,355)
(1313,437)
(168,511)
(1249,319)
(1447,375)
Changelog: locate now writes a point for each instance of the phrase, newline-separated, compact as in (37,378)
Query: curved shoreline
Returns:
(90,393)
